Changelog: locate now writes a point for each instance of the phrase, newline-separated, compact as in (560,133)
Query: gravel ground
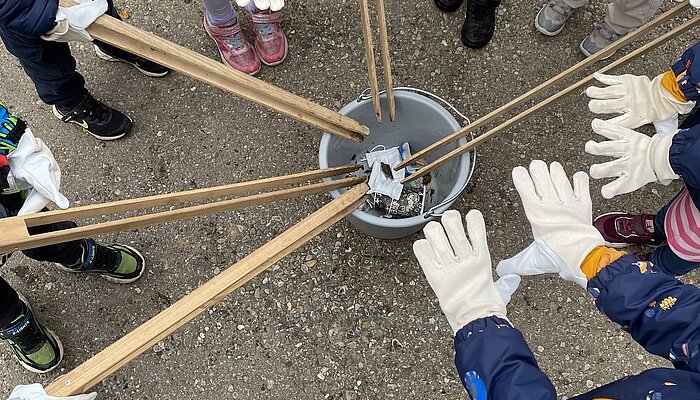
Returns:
(347,316)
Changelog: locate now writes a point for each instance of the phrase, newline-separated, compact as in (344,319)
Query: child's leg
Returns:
(10,305)
(625,15)
(219,12)
(62,253)
(677,223)
(51,67)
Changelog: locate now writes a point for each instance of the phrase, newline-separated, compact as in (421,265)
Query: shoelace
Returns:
(93,110)
(265,29)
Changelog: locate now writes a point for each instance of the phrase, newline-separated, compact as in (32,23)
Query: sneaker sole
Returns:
(544,31)
(101,54)
(111,278)
(53,335)
(286,52)
(58,115)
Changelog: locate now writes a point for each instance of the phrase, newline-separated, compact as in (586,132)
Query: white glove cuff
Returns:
(659,150)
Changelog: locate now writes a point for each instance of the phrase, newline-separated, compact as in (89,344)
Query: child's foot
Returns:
(448,5)
(146,67)
(270,42)
(116,262)
(553,16)
(38,349)
(99,120)
(479,23)
(233,47)
(601,37)
(621,230)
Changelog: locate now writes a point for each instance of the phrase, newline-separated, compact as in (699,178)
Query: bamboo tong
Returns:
(147,45)
(386,59)
(16,229)
(540,89)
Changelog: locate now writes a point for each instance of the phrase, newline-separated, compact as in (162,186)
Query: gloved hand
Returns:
(561,219)
(695,3)
(36,392)
(72,22)
(640,159)
(459,269)
(35,169)
(640,101)
(272,5)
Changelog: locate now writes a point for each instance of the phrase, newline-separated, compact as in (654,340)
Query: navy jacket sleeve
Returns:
(687,72)
(32,18)
(660,312)
(495,363)
(684,156)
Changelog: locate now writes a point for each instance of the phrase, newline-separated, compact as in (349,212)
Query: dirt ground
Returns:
(347,316)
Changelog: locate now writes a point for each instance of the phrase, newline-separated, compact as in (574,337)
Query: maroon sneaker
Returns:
(233,47)
(621,230)
(270,41)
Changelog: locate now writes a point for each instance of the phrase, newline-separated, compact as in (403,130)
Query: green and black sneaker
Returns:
(117,263)
(36,347)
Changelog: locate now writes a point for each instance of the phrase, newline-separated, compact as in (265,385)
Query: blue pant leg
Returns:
(50,66)
(663,256)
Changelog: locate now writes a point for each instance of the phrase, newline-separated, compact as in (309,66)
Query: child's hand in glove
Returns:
(36,392)
(459,269)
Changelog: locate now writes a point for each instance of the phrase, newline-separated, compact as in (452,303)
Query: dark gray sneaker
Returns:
(552,17)
(38,349)
(601,37)
(99,120)
(117,263)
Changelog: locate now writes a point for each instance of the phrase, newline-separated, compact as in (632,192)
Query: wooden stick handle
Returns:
(532,93)
(134,40)
(369,55)
(92,371)
(9,245)
(386,59)
(95,210)
(549,101)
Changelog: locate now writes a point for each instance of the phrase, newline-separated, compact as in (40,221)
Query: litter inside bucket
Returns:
(420,122)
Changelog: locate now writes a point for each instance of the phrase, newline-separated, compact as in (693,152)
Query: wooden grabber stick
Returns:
(104,363)
(178,58)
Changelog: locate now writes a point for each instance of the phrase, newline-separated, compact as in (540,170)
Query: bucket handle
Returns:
(367,95)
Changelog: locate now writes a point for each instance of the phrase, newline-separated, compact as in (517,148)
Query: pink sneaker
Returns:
(270,41)
(233,47)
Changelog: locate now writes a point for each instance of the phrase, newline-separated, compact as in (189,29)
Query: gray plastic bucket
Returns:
(420,121)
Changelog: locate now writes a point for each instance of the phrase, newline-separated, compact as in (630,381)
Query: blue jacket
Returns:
(32,18)
(685,159)
(658,311)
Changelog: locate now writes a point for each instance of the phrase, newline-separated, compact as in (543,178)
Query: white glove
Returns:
(35,169)
(36,392)
(72,22)
(536,259)
(561,219)
(639,100)
(640,159)
(459,271)
(695,3)
(273,5)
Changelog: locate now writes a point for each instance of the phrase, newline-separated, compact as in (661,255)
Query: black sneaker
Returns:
(146,67)
(448,5)
(38,349)
(99,120)
(116,262)
(480,23)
